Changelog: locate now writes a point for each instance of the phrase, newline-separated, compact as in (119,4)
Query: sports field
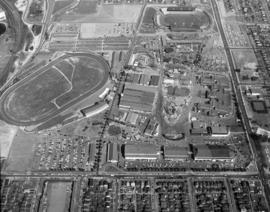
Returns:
(54,88)
(183,21)
(58,198)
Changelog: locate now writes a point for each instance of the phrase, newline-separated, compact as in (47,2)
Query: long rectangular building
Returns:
(176,152)
(213,153)
(141,151)
(137,100)
(112,153)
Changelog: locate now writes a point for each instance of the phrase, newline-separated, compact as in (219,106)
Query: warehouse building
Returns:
(141,151)
(176,153)
(112,153)
(218,131)
(137,100)
(94,109)
(92,154)
(213,153)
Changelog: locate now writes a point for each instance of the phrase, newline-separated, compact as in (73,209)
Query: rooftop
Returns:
(141,149)
(176,152)
(213,152)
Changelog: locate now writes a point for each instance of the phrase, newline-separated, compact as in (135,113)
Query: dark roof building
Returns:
(154,80)
(213,152)
(259,106)
(92,153)
(112,153)
(95,108)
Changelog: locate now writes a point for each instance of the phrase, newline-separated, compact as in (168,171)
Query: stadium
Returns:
(180,20)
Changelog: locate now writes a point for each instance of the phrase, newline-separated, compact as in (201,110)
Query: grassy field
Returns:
(192,21)
(243,57)
(7,133)
(149,15)
(66,68)
(58,198)
(60,4)
(86,7)
(88,12)
(33,100)
(88,75)
(21,152)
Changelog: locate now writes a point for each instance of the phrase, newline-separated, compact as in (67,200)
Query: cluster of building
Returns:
(201,128)
(142,79)
(248,195)
(228,5)
(202,152)
(19,195)
(173,194)
(257,106)
(142,124)
(211,195)
(97,195)
(177,52)
(253,11)
(261,38)
(134,195)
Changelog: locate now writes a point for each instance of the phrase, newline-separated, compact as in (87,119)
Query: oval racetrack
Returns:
(54,88)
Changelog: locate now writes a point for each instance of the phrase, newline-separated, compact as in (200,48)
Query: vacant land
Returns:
(89,13)
(7,133)
(243,57)
(22,150)
(61,4)
(86,7)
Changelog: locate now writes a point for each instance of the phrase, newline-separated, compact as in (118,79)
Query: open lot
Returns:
(54,89)
(57,196)
(22,151)
(7,133)
(87,12)
(60,4)
(243,57)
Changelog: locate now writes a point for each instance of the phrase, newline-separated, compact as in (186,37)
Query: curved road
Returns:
(15,22)
(6,117)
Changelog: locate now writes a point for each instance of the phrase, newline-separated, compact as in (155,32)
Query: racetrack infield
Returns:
(54,88)
(186,21)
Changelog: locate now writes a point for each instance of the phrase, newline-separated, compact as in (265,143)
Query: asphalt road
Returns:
(9,120)
(240,100)
(127,174)
(15,22)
